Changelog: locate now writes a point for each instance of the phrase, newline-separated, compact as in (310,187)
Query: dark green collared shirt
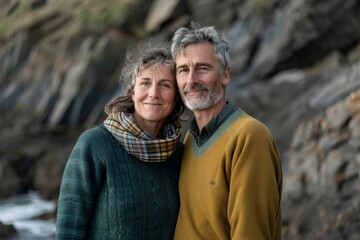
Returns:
(209,129)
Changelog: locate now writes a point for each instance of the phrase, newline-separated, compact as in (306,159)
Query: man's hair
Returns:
(193,34)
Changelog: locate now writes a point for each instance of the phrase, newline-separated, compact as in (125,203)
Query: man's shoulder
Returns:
(245,123)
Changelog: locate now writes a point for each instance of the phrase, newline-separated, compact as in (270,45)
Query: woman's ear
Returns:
(130,91)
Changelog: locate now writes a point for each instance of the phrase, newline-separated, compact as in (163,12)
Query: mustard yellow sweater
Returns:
(230,187)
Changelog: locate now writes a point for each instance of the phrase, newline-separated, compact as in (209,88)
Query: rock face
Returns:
(323,174)
(295,66)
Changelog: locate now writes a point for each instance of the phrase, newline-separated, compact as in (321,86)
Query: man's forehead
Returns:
(193,58)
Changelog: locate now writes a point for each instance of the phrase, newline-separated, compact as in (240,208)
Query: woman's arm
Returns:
(77,191)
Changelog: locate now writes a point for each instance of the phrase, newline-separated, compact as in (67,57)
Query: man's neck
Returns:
(204,116)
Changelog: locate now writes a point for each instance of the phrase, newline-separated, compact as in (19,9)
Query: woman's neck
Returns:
(152,127)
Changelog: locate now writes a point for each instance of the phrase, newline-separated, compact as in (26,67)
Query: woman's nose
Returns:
(154,91)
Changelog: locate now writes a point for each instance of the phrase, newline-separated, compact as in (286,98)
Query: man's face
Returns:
(199,77)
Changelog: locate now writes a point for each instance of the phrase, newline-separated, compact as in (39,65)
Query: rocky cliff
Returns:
(295,66)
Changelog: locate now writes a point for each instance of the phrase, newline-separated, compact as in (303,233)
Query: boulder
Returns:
(7,230)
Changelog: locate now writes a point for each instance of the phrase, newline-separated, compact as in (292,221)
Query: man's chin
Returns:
(196,106)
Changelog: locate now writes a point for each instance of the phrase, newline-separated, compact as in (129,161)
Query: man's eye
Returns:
(182,70)
(202,68)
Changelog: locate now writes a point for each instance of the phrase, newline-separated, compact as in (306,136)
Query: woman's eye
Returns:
(165,85)
(144,83)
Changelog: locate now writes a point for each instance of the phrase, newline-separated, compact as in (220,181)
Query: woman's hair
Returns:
(195,34)
(136,60)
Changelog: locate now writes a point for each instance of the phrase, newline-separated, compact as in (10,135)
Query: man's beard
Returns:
(203,100)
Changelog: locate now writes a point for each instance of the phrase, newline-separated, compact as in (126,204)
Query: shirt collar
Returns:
(208,130)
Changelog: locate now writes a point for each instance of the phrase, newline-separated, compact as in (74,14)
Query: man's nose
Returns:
(191,78)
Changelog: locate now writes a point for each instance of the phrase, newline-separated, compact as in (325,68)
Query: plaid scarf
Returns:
(139,142)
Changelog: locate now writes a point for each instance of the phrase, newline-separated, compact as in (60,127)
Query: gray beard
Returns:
(201,104)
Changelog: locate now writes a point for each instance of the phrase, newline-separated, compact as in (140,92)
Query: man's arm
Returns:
(254,210)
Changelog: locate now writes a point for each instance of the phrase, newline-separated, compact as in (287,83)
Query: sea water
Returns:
(21,210)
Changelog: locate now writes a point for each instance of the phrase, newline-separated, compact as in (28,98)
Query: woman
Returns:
(121,180)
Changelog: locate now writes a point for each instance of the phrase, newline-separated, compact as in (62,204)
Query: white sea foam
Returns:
(20,211)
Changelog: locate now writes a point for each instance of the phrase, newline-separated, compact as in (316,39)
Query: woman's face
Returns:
(154,94)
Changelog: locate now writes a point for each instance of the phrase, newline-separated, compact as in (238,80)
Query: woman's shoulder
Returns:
(98,141)
(98,131)
(95,136)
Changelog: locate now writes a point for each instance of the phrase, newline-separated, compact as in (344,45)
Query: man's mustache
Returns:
(196,87)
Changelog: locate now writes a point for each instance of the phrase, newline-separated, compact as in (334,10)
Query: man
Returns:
(231,178)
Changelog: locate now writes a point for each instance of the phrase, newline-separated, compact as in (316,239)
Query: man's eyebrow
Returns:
(182,66)
(203,64)
(196,65)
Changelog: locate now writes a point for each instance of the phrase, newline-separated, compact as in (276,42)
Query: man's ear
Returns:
(226,76)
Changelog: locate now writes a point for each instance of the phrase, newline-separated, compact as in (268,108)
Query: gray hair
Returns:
(141,57)
(136,60)
(195,34)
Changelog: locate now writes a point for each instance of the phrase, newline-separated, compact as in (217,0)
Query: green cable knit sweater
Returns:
(108,194)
